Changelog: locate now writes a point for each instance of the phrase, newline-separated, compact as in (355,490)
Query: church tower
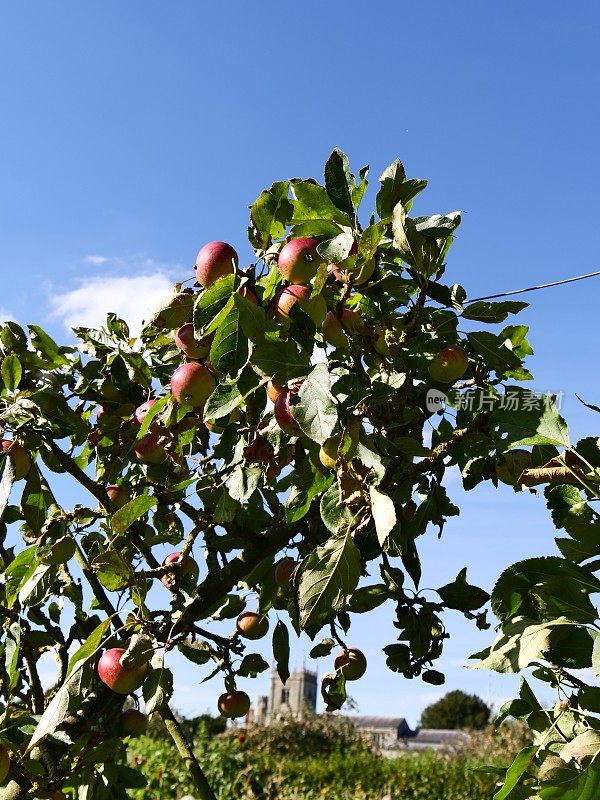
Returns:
(296,698)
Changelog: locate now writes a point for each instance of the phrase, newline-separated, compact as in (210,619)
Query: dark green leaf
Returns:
(339,182)
(281,650)
(520,765)
(434,677)
(252,318)
(461,595)
(324,648)
(335,514)
(270,214)
(211,301)
(312,202)
(133,510)
(12,371)
(252,665)
(484,311)
(197,652)
(114,572)
(46,347)
(223,400)
(229,349)
(315,411)
(280,361)
(368,597)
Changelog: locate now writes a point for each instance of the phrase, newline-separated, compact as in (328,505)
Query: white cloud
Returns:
(96,260)
(128,296)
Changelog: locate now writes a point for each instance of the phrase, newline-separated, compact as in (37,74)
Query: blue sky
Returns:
(133,133)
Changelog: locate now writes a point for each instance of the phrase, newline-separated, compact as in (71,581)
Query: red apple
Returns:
(190,346)
(186,575)
(4,763)
(149,450)
(259,451)
(288,297)
(233,704)
(251,625)
(248,294)
(192,384)
(299,261)
(21,460)
(351,663)
(133,722)
(122,680)
(284,416)
(215,260)
(118,495)
(284,571)
(141,411)
(449,365)
(333,332)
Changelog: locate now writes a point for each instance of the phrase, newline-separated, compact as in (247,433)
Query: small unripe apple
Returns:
(511,465)
(190,346)
(233,704)
(251,625)
(149,450)
(288,297)
(333,331)
(449,365)
(187,573)
(351,663)
(214,261)
(141,411)
(273,390)
(284,571)
(119,496)
(284,416)
(122,680)
(299,261)
(192,384)
(133,722)
(4,763)
(20,458)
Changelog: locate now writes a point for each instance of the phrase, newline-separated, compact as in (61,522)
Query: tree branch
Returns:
(187,754)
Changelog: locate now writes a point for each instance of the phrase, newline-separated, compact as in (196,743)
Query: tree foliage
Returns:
(456,710)
(345,478)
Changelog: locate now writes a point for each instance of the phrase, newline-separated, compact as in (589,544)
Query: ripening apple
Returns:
(141,411)
(21,460)
(133,722)
(187,574)
(122,680)
(214,261)
(149,450)
(273,390)
(233,704)
(510,465)
(252,625)
(299,261)
(4,763)
(288,297)
(119,496)
(284,416)
(333,331)
(284,571)
(192,384)
(449,365)
(351,663)
(190,346)
(259,451)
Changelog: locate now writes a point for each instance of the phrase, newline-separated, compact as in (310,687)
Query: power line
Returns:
(534,288)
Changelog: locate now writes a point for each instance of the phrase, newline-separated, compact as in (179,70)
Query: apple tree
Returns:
(261,460)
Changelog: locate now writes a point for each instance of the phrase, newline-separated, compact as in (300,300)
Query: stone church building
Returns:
(296,698)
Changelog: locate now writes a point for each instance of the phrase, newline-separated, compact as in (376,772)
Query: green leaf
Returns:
(484,311)
(493,351)
(573,785)
(252,665)
(244,481)
(338,248)
(281,650)
(328,577)
(520,765)
(398,657)
(396,189)
(280,361)
(339,182)
(384,513)
(114,572)
(368,597)
(229,348)
(313,202)
(34,503)
(11,654)
(315,411)
(36,587)
(270,214)
(523,426)
(6,484)
(18,572)
(89,648)
(212,301)
(322,649)
(12,372)
(158,686)
(46,347)
(433,677)
(124,518)
(335,514)
(520,643)
(152,412)
(438,226)
(223,400)
(406,238)
(252,318)
(308,483)
(461,595)
(196,652)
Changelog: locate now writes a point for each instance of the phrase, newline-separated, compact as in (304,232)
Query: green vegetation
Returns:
(456,710)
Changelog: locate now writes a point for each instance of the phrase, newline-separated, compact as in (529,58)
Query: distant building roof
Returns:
(432,735)
(378,722)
